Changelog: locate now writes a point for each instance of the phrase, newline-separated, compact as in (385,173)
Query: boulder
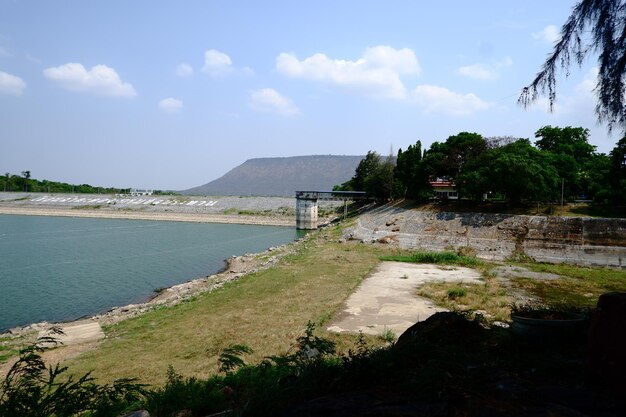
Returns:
(443,327)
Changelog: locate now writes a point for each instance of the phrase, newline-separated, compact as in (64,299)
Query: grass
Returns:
(281,211)
(447,258)
(579,286)
(388,335)
(7,352)
(266,310)
(488,297)
(10,346)
(88,207)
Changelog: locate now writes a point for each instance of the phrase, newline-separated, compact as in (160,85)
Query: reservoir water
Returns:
(59,269)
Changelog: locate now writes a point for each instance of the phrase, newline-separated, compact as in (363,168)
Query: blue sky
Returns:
(170,95)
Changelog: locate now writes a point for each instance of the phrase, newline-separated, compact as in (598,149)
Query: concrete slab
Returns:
(387,299)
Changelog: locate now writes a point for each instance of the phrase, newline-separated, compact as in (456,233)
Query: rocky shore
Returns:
(86,334)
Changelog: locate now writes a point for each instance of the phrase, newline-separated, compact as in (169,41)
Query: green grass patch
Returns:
(579,287)
(7,352)
(446,258)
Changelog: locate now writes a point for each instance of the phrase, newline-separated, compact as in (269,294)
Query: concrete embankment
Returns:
(253,210)
(581,240)
(274,211)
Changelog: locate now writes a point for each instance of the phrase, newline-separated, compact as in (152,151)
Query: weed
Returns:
(447,258)
(88,207)
(230,358)
(32,389)
(456,292)
(489,296)
(388,335)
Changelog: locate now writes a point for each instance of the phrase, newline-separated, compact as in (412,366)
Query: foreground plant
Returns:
(32,389)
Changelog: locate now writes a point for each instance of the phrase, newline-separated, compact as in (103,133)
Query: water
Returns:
(60,269)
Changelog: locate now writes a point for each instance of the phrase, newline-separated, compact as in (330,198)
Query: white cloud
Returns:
(269,100)
(171,105)
(184,70)
(549,34)
(99,80)
(478,71)
(433,99)
(217,63)
(376,73)
(11,84)
(485,71)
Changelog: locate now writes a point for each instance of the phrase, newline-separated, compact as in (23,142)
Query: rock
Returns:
(444,327)
(606,343)
(391,222)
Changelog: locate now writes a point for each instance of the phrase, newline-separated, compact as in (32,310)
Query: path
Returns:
(387,299)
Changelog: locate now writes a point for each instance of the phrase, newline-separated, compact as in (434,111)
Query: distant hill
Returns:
(281,176)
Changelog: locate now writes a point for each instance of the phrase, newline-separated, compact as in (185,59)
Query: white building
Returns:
(136,192)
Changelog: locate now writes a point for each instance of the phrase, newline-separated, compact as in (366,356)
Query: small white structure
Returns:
(136,192)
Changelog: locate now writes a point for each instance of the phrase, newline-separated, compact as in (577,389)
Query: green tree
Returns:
(572,141)
(593,26)
(379,184)
(365,169)
(617,172)
(594,177)
(570,153)
(26,175)
(446,160)
(521,172)
(410,179)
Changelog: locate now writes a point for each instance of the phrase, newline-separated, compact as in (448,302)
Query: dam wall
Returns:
(579,240)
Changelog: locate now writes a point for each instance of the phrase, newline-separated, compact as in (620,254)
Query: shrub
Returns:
(31,389)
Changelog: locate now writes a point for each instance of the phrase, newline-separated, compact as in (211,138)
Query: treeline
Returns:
(24,183)
(561,163)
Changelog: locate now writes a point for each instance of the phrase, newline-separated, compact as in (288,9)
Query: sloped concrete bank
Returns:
(580,240)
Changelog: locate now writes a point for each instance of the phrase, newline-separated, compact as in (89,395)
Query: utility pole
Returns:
(562,190)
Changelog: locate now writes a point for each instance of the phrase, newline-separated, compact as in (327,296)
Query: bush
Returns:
(31,389)
(447,258)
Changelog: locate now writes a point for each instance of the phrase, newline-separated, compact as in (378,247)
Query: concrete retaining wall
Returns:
(590,241)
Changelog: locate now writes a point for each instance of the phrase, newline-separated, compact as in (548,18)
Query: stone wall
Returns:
(590,241)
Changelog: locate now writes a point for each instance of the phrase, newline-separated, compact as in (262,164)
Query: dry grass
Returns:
(266,310)
(489,297)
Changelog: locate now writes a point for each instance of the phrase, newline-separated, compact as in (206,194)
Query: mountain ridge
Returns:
(281,176)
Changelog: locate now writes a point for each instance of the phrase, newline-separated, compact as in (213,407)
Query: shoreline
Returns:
(158,216)
(236,267)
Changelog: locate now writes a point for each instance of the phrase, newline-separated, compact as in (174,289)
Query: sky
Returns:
(170,95)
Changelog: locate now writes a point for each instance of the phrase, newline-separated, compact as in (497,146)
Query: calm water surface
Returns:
(59,268)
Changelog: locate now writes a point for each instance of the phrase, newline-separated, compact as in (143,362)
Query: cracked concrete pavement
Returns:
(388,300)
